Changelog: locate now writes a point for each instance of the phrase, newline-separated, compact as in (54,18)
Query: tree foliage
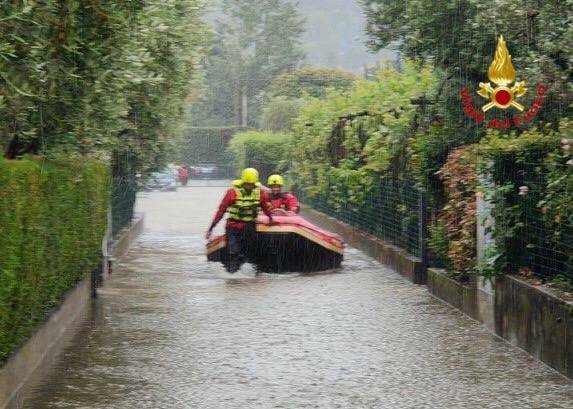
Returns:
(279,114)
(254,42)
(460,37)
(79,75)
(369,128)
(313,81)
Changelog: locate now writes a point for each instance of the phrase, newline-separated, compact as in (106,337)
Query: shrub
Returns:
(438,244)
(261,150)
(557,204)
(53,215)
(459,214)
(312,81)
(369,127)
(516,183)
(279,114)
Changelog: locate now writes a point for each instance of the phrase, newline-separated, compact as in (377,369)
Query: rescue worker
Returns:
(280,199)
(183,175)
(243,201)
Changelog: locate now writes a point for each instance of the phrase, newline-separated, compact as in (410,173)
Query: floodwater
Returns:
(173,331)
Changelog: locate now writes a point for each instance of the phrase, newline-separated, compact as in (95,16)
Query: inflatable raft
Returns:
(291,244)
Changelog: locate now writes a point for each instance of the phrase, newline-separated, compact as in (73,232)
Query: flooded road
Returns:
(173,331)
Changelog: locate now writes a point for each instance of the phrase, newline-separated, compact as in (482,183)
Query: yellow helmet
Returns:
(275,180)
(250,175)
(239,183)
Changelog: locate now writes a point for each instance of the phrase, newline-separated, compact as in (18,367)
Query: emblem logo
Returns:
(503,96)
(502,73)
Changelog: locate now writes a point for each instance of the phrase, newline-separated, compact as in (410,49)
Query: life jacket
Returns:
(246,207)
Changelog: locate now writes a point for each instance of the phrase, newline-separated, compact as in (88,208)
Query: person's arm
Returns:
(227,201)
(266,205)
(292,203)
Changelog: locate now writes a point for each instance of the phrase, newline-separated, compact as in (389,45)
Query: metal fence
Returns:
(392,210)
(123,196)
(123,190)
(396,211)
(541,238)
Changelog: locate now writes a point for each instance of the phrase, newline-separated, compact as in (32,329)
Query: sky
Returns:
(336,36)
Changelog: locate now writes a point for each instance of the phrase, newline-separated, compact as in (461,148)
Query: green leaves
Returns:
(53,215)
(368,127)
(76,74)
(459,37)
(261,150)
(311,81)
(256,41)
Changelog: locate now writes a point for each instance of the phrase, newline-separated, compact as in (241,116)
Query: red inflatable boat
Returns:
(291,244)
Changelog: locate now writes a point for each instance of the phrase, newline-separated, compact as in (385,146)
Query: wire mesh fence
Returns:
(533,233)
(123,190)
(390,209)
(538,235)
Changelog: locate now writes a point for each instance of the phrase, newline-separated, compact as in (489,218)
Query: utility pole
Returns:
(237,102)
(244,107)
(398,62)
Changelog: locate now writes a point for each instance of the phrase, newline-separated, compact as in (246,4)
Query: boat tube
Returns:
(291,244)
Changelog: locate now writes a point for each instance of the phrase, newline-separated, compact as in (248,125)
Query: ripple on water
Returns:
(173,331)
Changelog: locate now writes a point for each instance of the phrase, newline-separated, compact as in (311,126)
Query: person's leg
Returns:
(249,242)
(234,239)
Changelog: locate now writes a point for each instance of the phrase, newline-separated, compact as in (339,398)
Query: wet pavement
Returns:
(173,331)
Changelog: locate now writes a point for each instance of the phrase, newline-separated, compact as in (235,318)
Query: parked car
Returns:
(206,170)
(163,181)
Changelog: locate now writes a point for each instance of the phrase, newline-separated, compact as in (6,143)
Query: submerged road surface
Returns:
(173,331)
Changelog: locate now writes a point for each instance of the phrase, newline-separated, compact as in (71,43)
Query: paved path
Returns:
(173,331)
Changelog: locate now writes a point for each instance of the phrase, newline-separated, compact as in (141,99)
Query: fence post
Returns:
(422,229)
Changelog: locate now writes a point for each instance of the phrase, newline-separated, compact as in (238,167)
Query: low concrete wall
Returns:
(526,316)
(47,342)
(537,321)
(127,236)
(395,257)
(463,297)
(26,367)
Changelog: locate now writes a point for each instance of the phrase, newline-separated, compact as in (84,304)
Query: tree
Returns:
(279,114)
(460,37)
(311,80)
(87,76)
(255,41)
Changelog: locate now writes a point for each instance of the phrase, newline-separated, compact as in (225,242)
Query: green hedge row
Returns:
(53,216)
(264,151)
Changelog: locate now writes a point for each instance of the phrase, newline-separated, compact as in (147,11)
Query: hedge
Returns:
(53,215)
(264,151)
(533,230)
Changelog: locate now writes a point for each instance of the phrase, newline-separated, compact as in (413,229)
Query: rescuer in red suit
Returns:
(243,201)
(280,199)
